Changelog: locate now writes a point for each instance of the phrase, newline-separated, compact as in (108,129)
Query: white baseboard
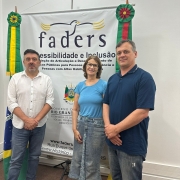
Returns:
(160,171)
(1,151)
(1,156)
(151,177)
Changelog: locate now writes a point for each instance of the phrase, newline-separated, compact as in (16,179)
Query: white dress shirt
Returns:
(30,95)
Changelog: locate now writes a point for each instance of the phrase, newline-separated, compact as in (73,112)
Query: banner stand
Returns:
(46,159)
(66,168)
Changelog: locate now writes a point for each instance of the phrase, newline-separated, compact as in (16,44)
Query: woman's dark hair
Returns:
(98,75)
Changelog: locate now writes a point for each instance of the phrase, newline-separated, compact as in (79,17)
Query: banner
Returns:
(64,41)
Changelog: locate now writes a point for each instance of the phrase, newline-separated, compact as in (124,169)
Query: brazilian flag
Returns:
(14,65)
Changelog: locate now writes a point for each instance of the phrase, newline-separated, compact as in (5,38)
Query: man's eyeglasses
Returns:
(94,65)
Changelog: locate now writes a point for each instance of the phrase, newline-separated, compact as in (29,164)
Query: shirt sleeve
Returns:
(106,96)
(104,87)
(11,95)
(50,95)
(146,93)
(77,88)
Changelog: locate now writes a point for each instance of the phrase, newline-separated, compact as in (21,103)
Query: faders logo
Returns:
(74,24)
(64,34)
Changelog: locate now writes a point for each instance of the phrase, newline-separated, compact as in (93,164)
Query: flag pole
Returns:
(71,4)
(16,9)
(127,2)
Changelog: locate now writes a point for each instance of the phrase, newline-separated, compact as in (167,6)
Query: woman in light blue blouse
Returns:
(87,123)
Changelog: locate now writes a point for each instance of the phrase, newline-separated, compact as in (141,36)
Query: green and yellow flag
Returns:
(14,65)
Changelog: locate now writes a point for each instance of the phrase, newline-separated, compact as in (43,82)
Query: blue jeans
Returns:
(86,158)
(124,166)
(20,139)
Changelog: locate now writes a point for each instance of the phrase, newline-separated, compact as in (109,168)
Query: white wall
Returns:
(156,29)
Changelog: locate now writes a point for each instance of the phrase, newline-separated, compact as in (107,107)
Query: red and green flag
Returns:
(14,65)
(124,15)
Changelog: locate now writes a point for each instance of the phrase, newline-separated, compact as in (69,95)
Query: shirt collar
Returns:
(131,71)
(38,75)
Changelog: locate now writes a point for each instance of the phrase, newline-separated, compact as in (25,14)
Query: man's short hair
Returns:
(32,52)
(128,41)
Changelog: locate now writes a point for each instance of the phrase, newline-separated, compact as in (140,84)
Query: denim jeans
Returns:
(124,166)
(20,139)
(86,158)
